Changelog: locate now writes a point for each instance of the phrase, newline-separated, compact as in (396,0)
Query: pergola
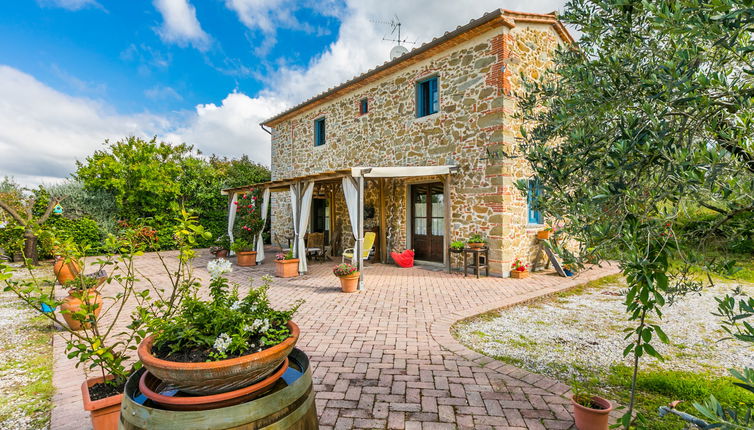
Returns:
(301,190)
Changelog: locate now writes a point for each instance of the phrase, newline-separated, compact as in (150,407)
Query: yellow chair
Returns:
(368,245)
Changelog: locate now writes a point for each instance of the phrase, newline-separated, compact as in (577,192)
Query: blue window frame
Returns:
(363,106)
(534,192)
(319,132)
(427,97)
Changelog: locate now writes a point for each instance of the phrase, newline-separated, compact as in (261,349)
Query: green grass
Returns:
(33,399)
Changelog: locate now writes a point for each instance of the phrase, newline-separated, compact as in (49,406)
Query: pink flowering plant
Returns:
(519,265)
(248,220)
(282,257)
(344,269)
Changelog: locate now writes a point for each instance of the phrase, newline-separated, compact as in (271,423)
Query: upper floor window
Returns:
(319,132)
(427,97)
(363,106)
(534,192)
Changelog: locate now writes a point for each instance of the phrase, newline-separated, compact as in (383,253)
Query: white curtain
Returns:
(260,242)
(232,217)
(303,223)
(352,202)
(294,216)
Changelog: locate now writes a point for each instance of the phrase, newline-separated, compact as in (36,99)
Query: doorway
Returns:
(428,221)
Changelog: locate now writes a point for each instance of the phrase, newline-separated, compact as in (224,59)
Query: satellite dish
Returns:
(397,51)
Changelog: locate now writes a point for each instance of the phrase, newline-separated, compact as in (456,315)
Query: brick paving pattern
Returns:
(385,358)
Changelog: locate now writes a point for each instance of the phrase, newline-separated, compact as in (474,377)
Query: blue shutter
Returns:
(319,132)
(419,100)
(434,99)
(533,193)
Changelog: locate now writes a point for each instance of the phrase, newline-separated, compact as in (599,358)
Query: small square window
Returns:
(363,106)
(427,97)
(319,132)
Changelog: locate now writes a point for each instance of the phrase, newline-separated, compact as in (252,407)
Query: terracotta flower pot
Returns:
(72,304)
(286,268)
(349,283)
(151,386)
(544,234)
(65,272)
(105,413)
(247,258)
(221,253)
(519,275)
(476,245)
(215,377)
(592,419)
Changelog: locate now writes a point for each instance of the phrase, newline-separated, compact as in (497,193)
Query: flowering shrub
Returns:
(225,326)
(282,257)
(519,266)
(344,269)
(249,217)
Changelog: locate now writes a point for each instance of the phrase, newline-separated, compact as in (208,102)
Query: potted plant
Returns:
(102,344)
(349,277)
(476,241)
(286,266)
(250,224)
(221,247)
(83,304)
(245,252)
(457,246)
(544,234)
(590,412)
(221,344)
(519,269)
(65,269)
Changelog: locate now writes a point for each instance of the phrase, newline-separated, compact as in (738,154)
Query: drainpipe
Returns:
(265,130)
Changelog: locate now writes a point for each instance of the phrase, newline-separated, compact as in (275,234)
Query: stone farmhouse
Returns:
(424,144)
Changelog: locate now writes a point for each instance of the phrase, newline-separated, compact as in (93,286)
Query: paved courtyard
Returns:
(384,357)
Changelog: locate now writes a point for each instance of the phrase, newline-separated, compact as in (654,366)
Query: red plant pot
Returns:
(592,419)
(349,283)
(105,413)
(286,268)
(247,258)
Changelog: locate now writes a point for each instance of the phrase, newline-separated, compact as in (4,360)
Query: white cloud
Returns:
(162,92)
(232,128)
(70,4)
(180,25)
(43,131)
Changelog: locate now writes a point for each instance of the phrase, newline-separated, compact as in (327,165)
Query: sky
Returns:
(75,73)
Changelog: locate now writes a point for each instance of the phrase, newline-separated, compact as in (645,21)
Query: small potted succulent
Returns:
(590,411)
(222,246)
(222,344)
(519,270)
(545,233)
(476,241)
(457,246)
(349,277)
(286,266)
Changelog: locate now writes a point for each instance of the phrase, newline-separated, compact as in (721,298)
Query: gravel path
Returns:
(582,333)
(25,365)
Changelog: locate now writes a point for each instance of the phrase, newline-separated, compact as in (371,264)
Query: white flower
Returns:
(222,342)
(219,267)
(260,325)
(235,306)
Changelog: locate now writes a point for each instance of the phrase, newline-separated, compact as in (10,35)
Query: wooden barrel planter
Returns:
(288,405)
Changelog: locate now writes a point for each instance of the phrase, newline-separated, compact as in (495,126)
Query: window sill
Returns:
(426,117)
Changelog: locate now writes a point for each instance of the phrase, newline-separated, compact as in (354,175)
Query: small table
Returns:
(476,264)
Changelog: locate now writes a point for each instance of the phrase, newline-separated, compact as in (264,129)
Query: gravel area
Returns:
(576,335)
(25,365)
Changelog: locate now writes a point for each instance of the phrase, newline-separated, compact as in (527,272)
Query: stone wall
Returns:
(477,81)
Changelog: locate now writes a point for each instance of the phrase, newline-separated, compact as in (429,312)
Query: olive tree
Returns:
(648,114)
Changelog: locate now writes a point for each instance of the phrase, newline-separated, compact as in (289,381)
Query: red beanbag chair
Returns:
(404,259)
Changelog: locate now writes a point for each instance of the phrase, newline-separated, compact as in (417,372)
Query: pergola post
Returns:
(360,222)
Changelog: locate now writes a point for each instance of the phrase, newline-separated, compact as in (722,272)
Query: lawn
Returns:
(25,366)
(577,337)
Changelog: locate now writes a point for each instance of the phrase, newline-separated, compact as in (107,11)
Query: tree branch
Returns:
(48,211)
(12,212)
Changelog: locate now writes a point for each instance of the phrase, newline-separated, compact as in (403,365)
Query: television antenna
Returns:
(395,36)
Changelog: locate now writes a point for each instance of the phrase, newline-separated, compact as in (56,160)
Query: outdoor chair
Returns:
(368,245)
(315,245)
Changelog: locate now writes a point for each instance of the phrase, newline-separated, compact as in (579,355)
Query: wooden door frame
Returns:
(446,181)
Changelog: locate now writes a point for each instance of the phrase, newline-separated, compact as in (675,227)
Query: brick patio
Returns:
(385,358)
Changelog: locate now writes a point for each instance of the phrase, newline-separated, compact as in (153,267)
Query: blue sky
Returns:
(74,73)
